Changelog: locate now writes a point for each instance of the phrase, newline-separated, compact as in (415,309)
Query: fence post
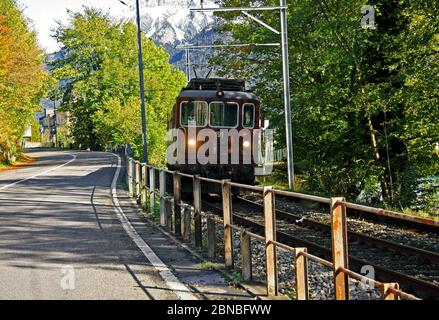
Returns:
(144,185)
(163,216)
(197,211)
(386,294)
(270,236)
(340,255)
(187,224)
(130,176)
(228,220)
(151,190)
(127,171)
(168,213)
(211,238)
(246,256)
(301,270)
(177,199)
(137,173)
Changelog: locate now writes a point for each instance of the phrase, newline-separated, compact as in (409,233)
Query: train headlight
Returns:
(220,93)
(192,142)
(246,144)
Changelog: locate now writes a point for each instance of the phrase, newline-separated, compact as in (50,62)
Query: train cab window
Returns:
(193,113)
(248,115)
(224,115)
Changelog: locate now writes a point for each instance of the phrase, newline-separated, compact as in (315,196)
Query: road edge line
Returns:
(41,173)
(180,289)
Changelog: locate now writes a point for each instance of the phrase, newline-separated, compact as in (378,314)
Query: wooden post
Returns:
(301,270)
(130,176)
(340,255)
(163,215)
(168,213)
(177,199)
(137,173)
(144,190)
(151,190)
(270,247)
(386,294)
(246,256)
(228,220)
(197,211)
(211,238)
(127,171)
(187,221)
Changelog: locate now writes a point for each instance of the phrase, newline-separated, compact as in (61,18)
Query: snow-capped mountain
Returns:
(170,23)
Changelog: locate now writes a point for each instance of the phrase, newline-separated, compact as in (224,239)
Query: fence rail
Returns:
(142,184)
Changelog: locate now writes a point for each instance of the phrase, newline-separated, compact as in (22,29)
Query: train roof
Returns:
(208,88)
(231,95)
(216,84)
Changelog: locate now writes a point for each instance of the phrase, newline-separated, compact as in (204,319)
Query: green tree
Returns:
(23,79)
(365,108)
(100,84)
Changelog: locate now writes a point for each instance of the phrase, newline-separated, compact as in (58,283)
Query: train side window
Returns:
(223,115)
(193,113)
(248,115)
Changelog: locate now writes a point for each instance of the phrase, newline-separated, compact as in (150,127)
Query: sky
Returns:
(44,13)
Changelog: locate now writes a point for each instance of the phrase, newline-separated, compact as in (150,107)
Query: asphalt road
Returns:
(60,237)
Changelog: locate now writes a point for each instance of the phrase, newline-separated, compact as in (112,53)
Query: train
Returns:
(227,116)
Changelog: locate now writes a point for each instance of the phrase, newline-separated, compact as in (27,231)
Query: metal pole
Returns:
(56,125)
(142,84)
(231,9)
(188,64)
(285,67)
(287,100)
(193,47)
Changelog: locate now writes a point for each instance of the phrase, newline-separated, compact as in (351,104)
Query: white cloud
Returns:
(44,13)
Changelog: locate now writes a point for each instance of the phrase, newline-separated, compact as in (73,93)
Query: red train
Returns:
(226,115)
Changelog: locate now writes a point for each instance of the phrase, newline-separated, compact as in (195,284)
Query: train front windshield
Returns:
(224,115)
(194,113)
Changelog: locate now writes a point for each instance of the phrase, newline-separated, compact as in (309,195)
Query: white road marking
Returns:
(183,292)
(39,174)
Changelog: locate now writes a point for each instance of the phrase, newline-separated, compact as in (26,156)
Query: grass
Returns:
(204,243)
(24,160)
(207,265)
(291,292)
(236,279)
(421,214)
(155,216)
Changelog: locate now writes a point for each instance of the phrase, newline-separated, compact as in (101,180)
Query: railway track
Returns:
(416,270)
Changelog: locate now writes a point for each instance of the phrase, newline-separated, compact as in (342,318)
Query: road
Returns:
(60,237)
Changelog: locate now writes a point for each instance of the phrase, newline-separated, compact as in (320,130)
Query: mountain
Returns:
(171,23)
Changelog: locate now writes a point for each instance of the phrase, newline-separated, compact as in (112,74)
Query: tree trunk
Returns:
(376,155)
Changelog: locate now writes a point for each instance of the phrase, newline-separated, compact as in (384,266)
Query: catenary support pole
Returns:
(142,84)
(287,98)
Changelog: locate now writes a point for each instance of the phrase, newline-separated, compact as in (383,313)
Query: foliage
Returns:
(365,101)
(22,78)
(99,69)
(235,279)
(207,265)
(36,134)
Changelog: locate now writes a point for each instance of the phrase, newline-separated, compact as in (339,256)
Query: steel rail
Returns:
(429,255)
(421,287)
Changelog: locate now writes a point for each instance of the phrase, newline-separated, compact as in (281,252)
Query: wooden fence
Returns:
(147,183)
